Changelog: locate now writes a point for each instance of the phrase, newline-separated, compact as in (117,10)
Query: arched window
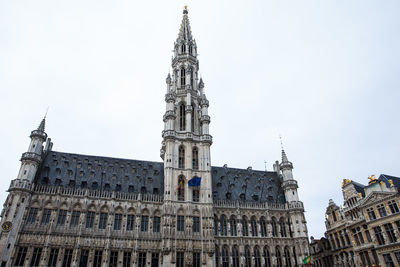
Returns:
(288,263)
(183,48)
(225,257)
(295,256)
(195,158)
(216,256)
(232,222)
(282,227)
(192,119)
(263,227)
(181,160)
(223,225)
(215,225)
(235,257)
(182,117)
(278,257)
(181,188)
(257,257)
(190,50)
(267,257)
(183,78)
(247,256)
(253,224)
(245,227)
(274,228)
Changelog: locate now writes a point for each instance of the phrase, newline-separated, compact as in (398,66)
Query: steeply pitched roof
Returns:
(147,177)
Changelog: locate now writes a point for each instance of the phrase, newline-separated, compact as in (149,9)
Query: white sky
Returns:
(324,74)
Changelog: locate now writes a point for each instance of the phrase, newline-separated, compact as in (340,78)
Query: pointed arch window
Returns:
(253,224)
(181,188)
(257,257)
(245,227)
(288,263)
(235,257)
(195,158)
(247,256)
(274,228)
(232,222)
(267,257)
(181,160)
(216,256)
(183,48)
(183,78)
(282,227)
(190,50)
(191,77)
(182,117)
(278,257)
(192,119)
(225,257)
(263,227)
(223,226)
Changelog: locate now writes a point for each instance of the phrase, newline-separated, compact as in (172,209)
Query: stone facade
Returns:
(76,210)
(366,230)
(321,253)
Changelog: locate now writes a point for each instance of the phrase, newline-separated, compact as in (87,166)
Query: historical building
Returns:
(366,230)
(321,252)
(66,209)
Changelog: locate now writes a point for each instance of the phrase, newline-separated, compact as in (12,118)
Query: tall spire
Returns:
(42,124)
(185,33)
(285,162)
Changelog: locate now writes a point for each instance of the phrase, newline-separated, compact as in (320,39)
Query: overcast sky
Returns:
(323,74)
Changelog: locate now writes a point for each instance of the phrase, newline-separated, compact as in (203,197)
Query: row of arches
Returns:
(232,256)
(278,228)
(190,49)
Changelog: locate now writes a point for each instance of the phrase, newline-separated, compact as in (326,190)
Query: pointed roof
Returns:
(42,124)
(286,164)
(185,33)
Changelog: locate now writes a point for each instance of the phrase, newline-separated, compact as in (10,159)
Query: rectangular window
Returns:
(35,260)
(113,259)
(103,220)
(393,207)
(397,255)
(196,259)
(127,259)
(179,259)
(379,236)
(368,235)
(381,210)
(67,258)
(180,226)
(390,232)
(142,259)
(98,255)
(156,224)
(62,215)
(75,218)
(195,195)
(196,224)
(117,221)
(84,258)
(144,225)
(371,214)
(154,259)
(32,215)
(53,257)
(90,219)
(130,222)
(21,255)
(388,260)
(46,216)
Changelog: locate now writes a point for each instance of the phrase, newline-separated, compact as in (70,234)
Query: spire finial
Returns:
(280,139)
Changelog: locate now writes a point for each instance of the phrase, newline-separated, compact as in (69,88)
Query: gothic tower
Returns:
(186,154)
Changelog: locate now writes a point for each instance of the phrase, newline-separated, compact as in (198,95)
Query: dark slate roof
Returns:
(384,178)
(147,177)
(359,188)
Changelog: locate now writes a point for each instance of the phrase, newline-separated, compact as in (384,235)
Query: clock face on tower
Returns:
(6,227)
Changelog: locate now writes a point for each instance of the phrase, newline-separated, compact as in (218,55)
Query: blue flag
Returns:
(195,181)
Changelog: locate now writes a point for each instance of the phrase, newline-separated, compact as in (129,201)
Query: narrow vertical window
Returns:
(288,263)
(196,259)
(127,259)
(84,258)
(233,228)
(235,257)
(67,258)
(195,195)
(32,215)
(98,254)
(257,257)
(144,225)
(62,215)
(245,227)
(253,224)
(35,260)
(181,160)
(182,117)
(274,228)
(223,226)
(183,78)
(130,222)
(46,216)
(113,259)
(183,48)
(247,256)
(190,50)
(181,188)
(75,218)
(142,259)
(103,220)
(180,223)
(263,227)
(267,258)
(196,224)
(156,224)
(282,227)
(195,158)
(225,257)
(191,78)
(53,257)
(89,219)
(179,259)
(117,221)
(154,259)
(278,257)
(21,255)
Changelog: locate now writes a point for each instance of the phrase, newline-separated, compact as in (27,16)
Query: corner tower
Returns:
(185,151)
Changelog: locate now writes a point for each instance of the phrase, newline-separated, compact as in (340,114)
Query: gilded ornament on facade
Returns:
(372,179)
(345,182)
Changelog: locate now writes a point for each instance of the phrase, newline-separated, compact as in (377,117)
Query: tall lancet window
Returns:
(181,160)
(190,50)
(182,117)
(183,78)
(191,77)
(195,158)
(183,48)
(181,188)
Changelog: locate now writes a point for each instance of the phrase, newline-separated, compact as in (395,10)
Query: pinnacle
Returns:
(42,125)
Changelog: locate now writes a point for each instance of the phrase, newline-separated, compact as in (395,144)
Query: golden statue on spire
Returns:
(372,179)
